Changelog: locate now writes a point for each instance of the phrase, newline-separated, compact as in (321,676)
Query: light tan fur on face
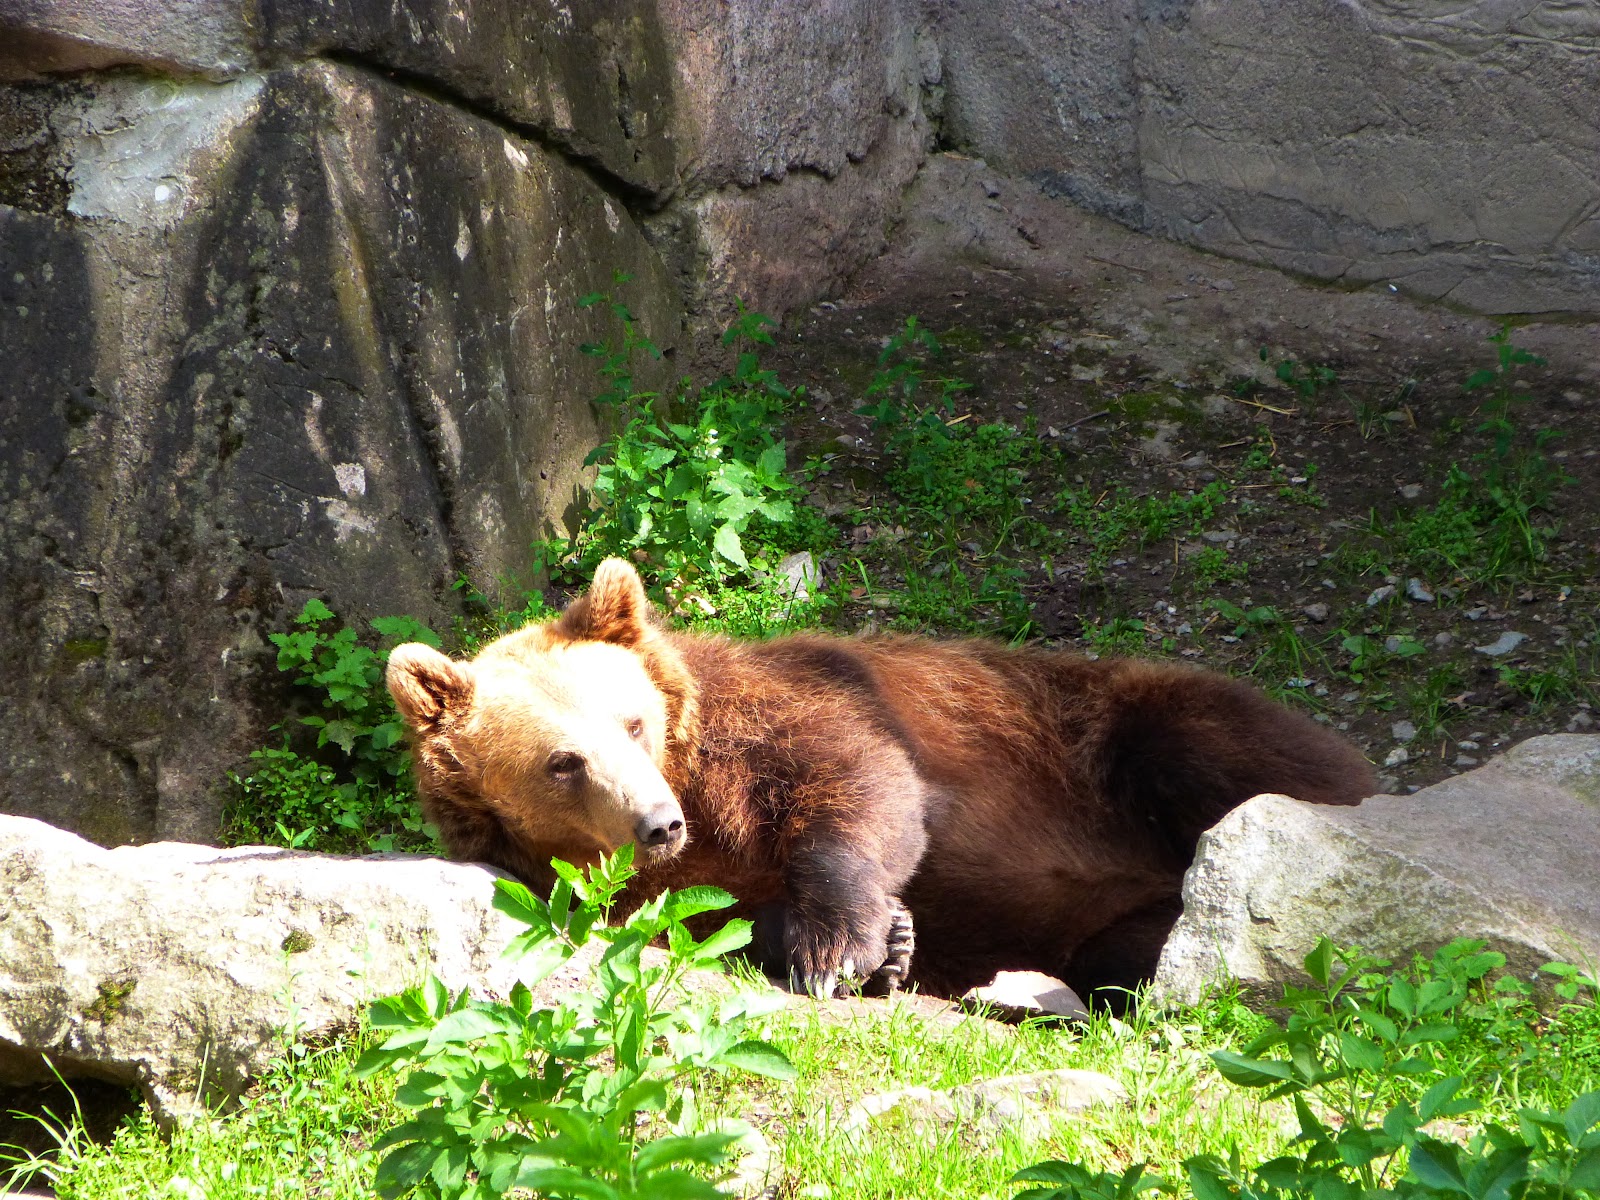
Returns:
(554,737)
(581,699)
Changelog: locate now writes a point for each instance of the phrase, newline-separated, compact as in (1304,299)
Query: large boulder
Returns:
(1349,142)
(182,970)
(303,333)
(1509,853)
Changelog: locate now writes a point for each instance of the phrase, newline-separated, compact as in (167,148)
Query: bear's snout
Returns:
(661,829)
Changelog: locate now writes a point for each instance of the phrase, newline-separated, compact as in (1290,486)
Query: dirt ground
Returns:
(1151,367)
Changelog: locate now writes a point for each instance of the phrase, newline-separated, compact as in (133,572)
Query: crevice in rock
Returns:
(636,198)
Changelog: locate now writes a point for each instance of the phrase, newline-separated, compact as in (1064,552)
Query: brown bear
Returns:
(1034,810)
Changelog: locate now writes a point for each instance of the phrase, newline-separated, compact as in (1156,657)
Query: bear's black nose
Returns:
(660,828)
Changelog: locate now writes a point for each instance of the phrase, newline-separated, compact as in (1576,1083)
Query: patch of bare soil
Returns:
(1335,565)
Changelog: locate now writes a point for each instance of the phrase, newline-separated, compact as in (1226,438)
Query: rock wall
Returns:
(289,307)
(288,288)
(1450,149)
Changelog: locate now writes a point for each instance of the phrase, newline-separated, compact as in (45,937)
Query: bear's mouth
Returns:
(660,851)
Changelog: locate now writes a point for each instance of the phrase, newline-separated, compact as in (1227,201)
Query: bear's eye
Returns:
(564,763)
(636,728)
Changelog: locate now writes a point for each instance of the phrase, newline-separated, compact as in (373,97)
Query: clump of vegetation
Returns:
(593,1097)
(1492,521)
(352,790)
(693,486)
(1374,1062)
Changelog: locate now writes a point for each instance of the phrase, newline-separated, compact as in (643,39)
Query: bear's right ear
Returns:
(426,685)
(614,609)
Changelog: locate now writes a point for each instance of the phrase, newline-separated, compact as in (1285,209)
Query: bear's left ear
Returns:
(426,685)
(614,609)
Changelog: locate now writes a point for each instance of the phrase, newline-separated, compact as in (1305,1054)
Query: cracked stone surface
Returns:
(175,968)
(293,334)
(1358,143)
(1508,853)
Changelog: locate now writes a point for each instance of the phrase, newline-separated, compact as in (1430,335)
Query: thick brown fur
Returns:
(1033,809)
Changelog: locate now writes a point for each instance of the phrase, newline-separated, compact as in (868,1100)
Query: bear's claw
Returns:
(902,943)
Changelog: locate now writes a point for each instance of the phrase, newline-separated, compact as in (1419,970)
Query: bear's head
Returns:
(556,740)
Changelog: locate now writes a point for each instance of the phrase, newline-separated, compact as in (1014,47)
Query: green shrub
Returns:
(352,791)
(593,1098)
(1370,1060)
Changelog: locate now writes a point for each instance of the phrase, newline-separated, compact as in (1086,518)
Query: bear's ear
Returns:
(614,609)
(426,685)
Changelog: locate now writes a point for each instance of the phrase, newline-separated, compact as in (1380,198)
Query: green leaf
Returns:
(1206,1181)
(1319,963)
(565,1181)
(726,543)
(1585,1171)
(759,1058)
(692,901)
(1434,1163)
(730,937)
(1361,1053)
(1437,1098)
(1251,1072)
(676,1185)
(707,1149)
(772,461)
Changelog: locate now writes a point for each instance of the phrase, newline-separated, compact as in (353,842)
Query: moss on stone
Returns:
(114,994)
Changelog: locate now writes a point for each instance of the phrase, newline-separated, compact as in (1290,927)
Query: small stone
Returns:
(1320,690)
(1184,629)
(1218,536)
(1580,722)
(1350,697)
(1396,757)
(1223,285)
(1411,491)
(1403,731)
(1445,638)
(1417,592)
(1502,645)
(1379,595)
(1329,584)
(1468,744)
(1476,614)
(1465,760)
(1022,994)
(990,188)
(1317,612)
(1393,643)
(800,572)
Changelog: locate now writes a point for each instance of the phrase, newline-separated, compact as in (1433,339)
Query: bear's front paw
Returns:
(902,944)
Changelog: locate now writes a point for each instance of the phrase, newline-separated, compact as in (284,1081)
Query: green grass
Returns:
(308,1127)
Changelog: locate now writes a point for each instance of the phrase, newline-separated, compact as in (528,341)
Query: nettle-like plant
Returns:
(592,1098)
(681,480)
(1363,1058)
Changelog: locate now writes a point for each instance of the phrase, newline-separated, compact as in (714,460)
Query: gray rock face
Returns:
(177,968)
(799,127)
(299,317)
(593,76)
(1358,142)
(291,334)
(1509,853)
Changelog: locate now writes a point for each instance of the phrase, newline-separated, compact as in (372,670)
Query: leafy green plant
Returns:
(1306,379)
(1493,521)
(1365,1059)
(944,468)
(355,791)
(677,486)
(1115,519)
(593,1098)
